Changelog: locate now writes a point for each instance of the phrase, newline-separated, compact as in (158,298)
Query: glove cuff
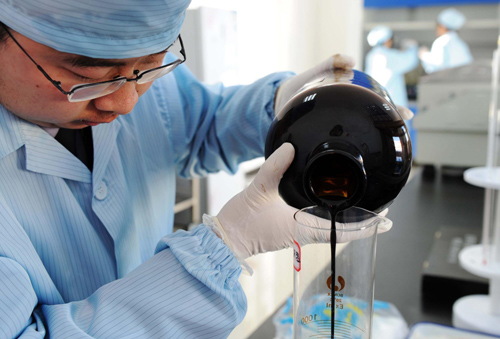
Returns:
(215,225)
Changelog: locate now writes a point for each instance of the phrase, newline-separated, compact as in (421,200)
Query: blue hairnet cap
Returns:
(108,29)
(451,18)
(379,35)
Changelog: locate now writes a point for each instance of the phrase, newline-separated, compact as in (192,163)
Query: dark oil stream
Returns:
(334,183)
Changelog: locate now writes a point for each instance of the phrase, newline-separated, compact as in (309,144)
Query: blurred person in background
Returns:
(448,50)
(388,65)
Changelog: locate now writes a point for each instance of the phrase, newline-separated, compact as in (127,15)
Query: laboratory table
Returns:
(424,206)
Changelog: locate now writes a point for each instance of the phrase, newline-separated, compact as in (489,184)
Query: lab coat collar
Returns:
(446,37)
(46,155)
(10,133)
(451,34)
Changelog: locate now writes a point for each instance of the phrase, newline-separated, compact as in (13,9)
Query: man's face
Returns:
(26,92)
(389,43)
(440,30)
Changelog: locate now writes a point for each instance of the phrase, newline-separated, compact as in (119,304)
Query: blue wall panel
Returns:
(419,3)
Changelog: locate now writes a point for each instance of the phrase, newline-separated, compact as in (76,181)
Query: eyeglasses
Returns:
(84,92)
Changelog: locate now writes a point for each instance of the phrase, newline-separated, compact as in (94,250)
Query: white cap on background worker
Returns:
(451,19)
(379,35)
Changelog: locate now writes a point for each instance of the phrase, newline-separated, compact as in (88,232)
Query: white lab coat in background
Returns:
(448,51)
(388,66)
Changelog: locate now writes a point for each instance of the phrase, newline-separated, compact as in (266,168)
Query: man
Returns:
(388,65)
(448,50)
(89,150)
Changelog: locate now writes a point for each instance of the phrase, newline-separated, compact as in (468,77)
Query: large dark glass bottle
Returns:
(350,143)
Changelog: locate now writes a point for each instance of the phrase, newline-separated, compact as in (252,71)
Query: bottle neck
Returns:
(334,177)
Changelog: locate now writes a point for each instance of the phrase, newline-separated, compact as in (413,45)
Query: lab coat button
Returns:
(102,191)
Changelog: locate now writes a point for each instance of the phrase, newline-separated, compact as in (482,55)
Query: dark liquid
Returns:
(334,183)
(334,209)
(333,249)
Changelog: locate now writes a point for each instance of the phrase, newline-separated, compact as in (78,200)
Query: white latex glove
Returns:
(257,220)
(292,85)
(405,113)
(423,51)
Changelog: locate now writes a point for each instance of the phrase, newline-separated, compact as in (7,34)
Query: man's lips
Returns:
(95,122)
(90,123)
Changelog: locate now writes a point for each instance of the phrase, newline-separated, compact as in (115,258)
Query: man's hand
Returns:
(257,220)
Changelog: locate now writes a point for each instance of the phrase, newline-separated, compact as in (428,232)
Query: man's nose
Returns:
(121,102)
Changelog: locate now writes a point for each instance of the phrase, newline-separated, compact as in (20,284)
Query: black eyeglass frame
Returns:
(138,74)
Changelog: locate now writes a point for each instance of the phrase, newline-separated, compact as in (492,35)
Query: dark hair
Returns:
(3,34)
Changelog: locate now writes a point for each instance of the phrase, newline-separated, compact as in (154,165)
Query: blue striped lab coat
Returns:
(87,254)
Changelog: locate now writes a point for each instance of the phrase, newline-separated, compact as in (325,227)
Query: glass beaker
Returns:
(352,288)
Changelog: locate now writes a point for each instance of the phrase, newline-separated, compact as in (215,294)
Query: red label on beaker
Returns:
(296,256)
